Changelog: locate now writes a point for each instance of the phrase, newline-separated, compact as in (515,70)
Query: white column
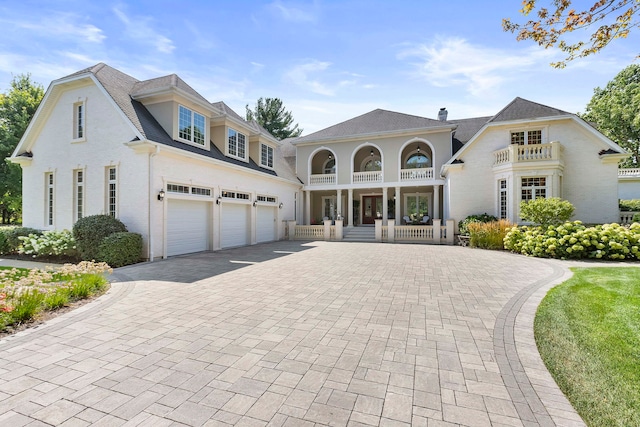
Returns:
(398,206)
(307,207)
(436,202)
(385,205)
(350,207)
(339,204)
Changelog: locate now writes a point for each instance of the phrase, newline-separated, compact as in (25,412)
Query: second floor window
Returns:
(79,120)
(373,165)
(191,125)
(266,156)
(528,137)
(236,144)
(329,167)
(417,161)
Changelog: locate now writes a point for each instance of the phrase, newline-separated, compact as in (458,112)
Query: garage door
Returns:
(187,226)
(234,225)
(266,224)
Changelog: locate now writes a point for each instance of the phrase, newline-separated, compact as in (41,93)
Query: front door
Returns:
(371,209)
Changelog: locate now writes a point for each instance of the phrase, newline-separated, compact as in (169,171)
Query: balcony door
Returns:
(371,209)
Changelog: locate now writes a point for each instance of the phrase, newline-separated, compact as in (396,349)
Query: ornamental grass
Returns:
(488,235)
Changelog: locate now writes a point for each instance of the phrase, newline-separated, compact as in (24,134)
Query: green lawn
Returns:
(588,333)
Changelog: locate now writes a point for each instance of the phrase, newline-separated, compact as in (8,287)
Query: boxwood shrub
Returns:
(90,230)
(120,249)
(572,240)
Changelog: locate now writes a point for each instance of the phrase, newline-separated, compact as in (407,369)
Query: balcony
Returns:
(367,177)
(528,153)
(409,175)
(629,173)
(322,179)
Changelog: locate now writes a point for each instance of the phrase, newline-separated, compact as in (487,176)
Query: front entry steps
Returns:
(359,234)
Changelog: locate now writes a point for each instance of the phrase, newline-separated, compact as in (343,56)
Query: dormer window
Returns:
(191,126)
(266,156)
(237,146)
(527,137)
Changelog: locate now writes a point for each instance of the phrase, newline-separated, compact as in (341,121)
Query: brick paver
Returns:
(294,334)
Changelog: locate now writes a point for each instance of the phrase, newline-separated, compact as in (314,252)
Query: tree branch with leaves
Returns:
(612,19)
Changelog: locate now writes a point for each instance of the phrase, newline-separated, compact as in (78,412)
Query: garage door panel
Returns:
(266,224)
(234,228)
(188,226)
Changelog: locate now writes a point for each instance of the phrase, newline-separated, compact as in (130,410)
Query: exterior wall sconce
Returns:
(218,200)
(280,205)
(255,203)
(418,148)
(371,153)
(161,195)
(330,156)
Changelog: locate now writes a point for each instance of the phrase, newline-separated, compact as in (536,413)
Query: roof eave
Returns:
(429,129)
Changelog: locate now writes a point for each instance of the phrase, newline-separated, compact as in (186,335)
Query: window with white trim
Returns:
(266,156)
(527,137)
(534,188)
(49,197)
(187,189)
(191,126)
(267,199)
(235,195)
(502,199)
(78,193)
(112,191)
(236,145)
(79,118)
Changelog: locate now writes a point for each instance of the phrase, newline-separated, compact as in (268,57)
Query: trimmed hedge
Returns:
(120,249)
(91,230)
(572,240)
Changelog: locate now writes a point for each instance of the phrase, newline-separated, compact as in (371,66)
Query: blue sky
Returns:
(328,61)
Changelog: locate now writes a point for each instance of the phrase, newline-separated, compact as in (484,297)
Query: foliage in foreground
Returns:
(464,224)
(49,243)
(24,294)
(488,235)
(587,333)
(572,240)
(551,211)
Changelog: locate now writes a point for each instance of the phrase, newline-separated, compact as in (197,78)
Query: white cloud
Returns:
(292,13)
(300,76)
(140,30)
(456,62)
(60,25)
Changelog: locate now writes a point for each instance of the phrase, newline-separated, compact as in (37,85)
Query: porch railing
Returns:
(626,217)
(413,232)
(309,232)
(629,172)
(367,177)
(320,179)
(527,153)
(416,174)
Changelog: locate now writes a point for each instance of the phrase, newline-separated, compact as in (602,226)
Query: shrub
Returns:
(632,205)
(120,249)
(49,243)
(90,230)
(463,225)
(13,235)
(489,235)
(546,211)
(572,240)
(4,244)
(636,217)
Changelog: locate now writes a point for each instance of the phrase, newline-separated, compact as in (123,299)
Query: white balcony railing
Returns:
(629,172)
(328,178)
(528,153)
(416,174)
(367,177)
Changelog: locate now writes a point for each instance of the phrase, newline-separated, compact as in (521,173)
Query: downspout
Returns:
(151,199)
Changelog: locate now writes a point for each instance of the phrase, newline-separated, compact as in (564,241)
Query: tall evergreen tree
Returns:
(615,110)
(271,115)
(17,107)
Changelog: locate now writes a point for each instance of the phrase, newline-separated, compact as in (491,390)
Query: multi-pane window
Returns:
(112,192)
(186,189)
(191,125)
(78,120)
(534,188)
(330,166)
(502,198)
(528,137)
(78,178)
(237,144)
(267,199)
(266,156)
(174,188)
(235,195)
(49,197)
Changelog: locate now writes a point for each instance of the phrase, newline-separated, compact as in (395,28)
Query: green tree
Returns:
(17,107)
(271,115)
(614,19)
(615,110)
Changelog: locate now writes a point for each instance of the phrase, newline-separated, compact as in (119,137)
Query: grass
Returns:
(588,333)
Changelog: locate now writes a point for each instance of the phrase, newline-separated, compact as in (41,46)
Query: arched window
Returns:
(418,161)
(329,167)
(373,165)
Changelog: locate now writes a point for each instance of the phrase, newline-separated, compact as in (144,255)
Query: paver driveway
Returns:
(295,334)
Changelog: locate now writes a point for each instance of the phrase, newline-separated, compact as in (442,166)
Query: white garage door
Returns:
(235,229)
(187,226)
(266,224)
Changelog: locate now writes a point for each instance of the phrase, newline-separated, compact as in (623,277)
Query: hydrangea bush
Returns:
(51,243)
(572,240)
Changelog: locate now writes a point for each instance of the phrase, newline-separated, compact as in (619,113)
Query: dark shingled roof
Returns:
(121,86)
(465,131)
(522,109)
(373,122)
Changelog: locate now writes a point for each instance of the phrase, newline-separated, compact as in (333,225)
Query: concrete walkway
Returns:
(293,334)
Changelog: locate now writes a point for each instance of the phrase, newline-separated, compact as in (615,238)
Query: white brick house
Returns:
(190,175)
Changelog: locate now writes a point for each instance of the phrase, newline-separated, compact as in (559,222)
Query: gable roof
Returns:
(523,109)
(376,121)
